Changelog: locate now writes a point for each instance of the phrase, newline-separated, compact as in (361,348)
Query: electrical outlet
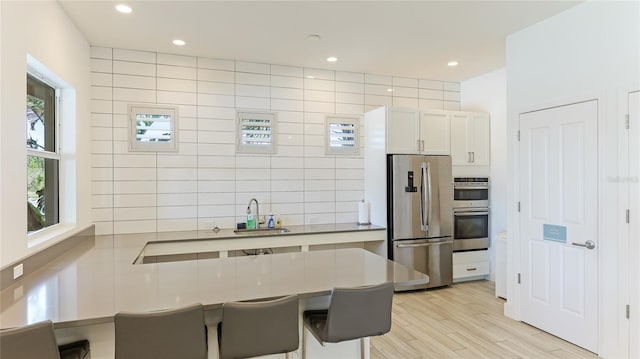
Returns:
(17,271)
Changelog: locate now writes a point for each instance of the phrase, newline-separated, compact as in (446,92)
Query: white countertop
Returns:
(92,282)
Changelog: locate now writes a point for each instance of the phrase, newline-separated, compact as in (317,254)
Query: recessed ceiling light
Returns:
(314,37)
(389,90)
(452,63)
(179,42)
(311,77)
(123,9)
(332,59)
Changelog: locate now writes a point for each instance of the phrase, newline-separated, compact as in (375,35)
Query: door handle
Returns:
(588,244)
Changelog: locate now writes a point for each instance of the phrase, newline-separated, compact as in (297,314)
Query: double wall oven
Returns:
(470,213)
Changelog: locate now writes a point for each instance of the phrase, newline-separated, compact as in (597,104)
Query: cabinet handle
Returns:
(422,142)
(418,142)
(471,269)
(473,156)
(469,156)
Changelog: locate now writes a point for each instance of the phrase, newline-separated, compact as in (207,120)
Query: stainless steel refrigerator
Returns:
(420,216)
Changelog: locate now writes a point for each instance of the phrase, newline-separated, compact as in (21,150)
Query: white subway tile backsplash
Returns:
(286,81)
(177,212)
(178,199)
(252,79)
(286,70)
(286,185)
(216,88)
(286,105)
(98,65)
(134,95)
(177,60)
(253,103)
(177,72)
(101,52)
(168,84)
(253,67)
(177,98)
(134,200)
(350,76)
(101,79)
(177,186)
(206,183)
(216,64)
(135,56)
(134,68)
(216,75)
(134,174)
(134,187)
(216,100)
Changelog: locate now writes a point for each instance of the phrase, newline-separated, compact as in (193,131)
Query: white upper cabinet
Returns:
(409,131)
(402,130)
(470,139)
(435,132)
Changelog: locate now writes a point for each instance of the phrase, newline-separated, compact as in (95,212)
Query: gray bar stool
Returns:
(38,341)
(353,313)
(250,329)
(168,334)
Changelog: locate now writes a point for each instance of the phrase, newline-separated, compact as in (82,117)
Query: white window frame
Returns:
(153,146)
(242,147)
(347,120)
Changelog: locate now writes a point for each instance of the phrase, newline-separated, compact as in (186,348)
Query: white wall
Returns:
(206,182)
(42,30)
(589,51)
(488,93)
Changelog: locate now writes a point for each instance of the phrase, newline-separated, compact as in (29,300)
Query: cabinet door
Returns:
(460,149)
(479,138)
(403,126)
(435,132)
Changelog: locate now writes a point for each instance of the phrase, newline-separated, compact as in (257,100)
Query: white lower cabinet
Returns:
(470,265)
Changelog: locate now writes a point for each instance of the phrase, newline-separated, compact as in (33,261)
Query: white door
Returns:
(558,219)
(634,223)
(435,132)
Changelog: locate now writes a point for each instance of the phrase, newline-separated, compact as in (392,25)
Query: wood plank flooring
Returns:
(464,320)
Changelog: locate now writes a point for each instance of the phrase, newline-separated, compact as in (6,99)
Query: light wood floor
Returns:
(464,321)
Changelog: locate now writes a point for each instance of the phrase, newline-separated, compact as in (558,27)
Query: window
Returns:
(342,135)
(43,157)
(256,132)
(153,128)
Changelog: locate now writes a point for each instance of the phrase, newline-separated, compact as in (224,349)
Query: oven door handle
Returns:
(470,187)
(462,214)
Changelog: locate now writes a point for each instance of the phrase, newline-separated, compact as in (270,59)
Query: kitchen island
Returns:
(83,289)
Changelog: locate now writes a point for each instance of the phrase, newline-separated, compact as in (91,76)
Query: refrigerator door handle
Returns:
(428,196)
(425,197)
(422,204)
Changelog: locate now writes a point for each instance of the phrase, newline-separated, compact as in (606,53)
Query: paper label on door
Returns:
(554,233)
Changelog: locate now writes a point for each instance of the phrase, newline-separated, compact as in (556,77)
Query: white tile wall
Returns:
(206,183)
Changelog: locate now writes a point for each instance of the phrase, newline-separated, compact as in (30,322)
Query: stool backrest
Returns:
(170,334)
(359,312)
(251,329)
(35,341)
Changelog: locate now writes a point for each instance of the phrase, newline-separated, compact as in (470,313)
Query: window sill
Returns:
(51,234)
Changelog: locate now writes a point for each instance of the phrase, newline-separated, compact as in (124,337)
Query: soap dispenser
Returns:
(271,223)
(251,221)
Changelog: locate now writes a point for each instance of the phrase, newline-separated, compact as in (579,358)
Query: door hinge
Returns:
(628,310)
(518,278)
(626,121)
(628,216)
(518,206)
(518,135)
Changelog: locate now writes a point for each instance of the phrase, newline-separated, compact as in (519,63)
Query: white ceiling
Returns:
(402,38)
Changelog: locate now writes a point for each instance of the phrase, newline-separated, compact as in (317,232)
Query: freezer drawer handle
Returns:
(420,244)
(471,269)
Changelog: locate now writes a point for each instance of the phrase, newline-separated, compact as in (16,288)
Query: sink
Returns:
(261,231)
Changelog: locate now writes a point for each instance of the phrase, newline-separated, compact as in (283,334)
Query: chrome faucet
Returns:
(257,211)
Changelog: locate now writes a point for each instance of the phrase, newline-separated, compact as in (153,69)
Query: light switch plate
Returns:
(17,271)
